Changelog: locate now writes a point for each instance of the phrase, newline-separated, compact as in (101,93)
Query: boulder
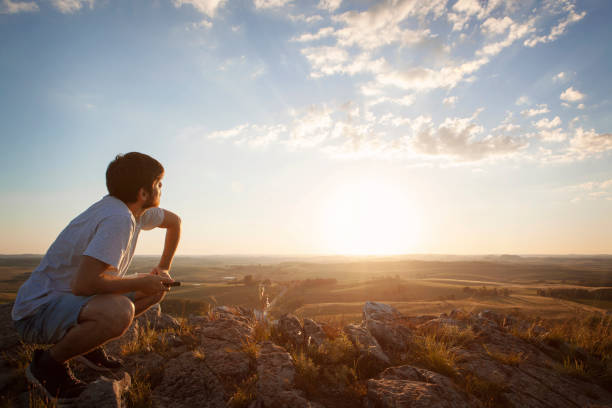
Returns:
(187,383)
(388,326)
(154,318)
(223,341)
(313,333)
(105,392)
(372,358)
(276,374)
(408,386)
(291,330)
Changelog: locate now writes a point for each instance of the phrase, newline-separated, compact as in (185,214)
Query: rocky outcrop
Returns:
(313,333)
(387,365)
(291,330)
(388,326)
(105,392)
(372,358)
(275,385)
(189,382)
(223,341)
(408,386)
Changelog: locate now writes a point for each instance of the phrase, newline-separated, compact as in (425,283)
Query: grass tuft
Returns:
(245,393)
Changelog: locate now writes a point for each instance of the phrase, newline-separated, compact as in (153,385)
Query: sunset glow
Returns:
(316,127)
(370,217)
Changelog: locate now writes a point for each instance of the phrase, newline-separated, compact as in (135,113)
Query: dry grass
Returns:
(436,354)
(491,394)
(139,394)
(511,359)
(245,393)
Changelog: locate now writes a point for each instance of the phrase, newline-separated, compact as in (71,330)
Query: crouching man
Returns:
(78,298)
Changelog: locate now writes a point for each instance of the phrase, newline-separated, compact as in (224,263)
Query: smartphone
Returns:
(175,283)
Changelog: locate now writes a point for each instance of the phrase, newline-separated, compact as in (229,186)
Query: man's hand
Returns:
(153,284)
(159,271)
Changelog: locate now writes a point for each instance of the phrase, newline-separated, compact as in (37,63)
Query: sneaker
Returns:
(98,360)
(54,379)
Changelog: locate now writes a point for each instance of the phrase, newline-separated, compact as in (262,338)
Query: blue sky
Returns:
(321,126)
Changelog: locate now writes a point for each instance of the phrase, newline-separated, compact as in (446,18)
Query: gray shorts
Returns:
(51,321)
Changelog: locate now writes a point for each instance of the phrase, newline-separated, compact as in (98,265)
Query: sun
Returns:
(370,217)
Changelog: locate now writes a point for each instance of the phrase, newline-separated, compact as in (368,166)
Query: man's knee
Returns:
(112,312)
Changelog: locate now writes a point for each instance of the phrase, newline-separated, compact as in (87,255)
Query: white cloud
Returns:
(522,100)
(516,32)
(591,190)
(329,5)
(545,123)
(538,110)
(265,4)
(322,33)
(554,135)
(425,78)
(580,106)
(206,7)
(311,128)
(406,100)
(572,95)
(557,30)
(15,7)
(71,6)
(315,18)
(255,136)
(496,26)
(560,76)
(459,138)
(450,101)
(589,142)
(464,10)
(329,60)
(229,133)
(205,24)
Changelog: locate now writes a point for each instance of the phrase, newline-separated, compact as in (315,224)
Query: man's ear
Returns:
(143,195)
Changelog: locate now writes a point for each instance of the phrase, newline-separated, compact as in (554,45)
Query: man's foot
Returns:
(98,360)
(54,379)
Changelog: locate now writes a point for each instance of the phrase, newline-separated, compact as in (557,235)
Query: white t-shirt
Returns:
(106,231)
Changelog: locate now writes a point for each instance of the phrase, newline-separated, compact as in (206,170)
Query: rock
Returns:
(131,335)
(187,383)
(372,358)
(154,318)
(408,386)
(291,330)
(236,313)
(388,326)
(223,341)
(276,373)
(105,392)
(314,333)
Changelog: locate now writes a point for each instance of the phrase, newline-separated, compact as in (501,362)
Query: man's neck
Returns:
(136,209)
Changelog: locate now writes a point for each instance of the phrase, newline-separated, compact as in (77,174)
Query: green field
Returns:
(420,285)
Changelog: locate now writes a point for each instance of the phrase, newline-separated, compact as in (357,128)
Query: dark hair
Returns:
(129,172)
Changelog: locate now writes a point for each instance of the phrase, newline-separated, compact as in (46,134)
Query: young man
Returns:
(77,299)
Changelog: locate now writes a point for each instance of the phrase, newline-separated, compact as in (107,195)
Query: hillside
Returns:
(228,358)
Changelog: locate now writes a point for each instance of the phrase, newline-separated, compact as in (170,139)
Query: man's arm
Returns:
(172,224)
(91,279)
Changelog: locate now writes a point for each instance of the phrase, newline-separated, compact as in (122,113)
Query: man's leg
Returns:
(103,318)
(143,302)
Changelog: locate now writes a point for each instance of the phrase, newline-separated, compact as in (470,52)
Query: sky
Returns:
(315,127)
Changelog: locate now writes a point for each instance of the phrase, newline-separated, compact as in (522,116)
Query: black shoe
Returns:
(54,379)
(98,360)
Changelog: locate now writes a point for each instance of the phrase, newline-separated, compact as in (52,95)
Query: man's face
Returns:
(154,197)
